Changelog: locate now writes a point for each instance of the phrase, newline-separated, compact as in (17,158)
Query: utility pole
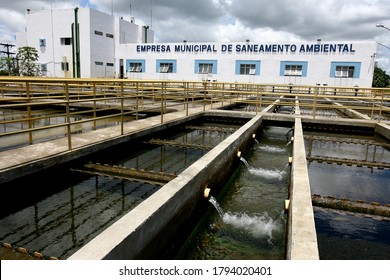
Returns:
(8,53)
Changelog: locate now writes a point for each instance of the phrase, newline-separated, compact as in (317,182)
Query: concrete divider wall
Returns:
(301,235)
(171,206)
(383,129)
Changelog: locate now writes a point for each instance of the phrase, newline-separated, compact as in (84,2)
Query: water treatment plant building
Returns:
(108,46)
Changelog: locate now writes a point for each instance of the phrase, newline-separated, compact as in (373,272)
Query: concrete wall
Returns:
(302,236)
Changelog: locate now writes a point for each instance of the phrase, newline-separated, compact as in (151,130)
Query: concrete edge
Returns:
(302,236)
(383,130)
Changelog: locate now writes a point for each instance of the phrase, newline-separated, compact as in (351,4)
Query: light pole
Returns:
(381,25)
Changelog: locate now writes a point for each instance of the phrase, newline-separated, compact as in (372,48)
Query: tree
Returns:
(7,65)
(27,57)
(380,79)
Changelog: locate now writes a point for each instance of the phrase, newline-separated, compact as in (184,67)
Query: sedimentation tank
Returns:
(150,181)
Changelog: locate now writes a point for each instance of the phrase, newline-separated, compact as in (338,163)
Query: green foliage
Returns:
(8,66)
(27,57)
(380,79)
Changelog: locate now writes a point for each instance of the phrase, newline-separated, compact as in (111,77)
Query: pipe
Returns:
(286,204)
(77,42)
(73,52)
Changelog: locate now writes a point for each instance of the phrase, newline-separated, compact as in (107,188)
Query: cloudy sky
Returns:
(232,20)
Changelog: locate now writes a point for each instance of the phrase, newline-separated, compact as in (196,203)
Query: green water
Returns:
(252,222)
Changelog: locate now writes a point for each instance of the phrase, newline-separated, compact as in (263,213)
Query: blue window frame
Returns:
(248,67)
(345,69)
(206,67)
(293,68)
(166,66)
(135,65)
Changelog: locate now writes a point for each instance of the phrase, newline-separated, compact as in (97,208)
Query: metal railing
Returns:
(40,109)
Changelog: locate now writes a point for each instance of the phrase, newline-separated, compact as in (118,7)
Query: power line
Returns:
(8,46)
(8,53)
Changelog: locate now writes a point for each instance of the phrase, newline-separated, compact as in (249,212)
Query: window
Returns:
(205,68)
(166,68)
(247,69)
(64,66)
(345,71)
(66,41)
(44,68)
(110,64)
(108,35)
(42,43)
(166,65)
(99,63)
(98,33)
(135,67)
(293,70)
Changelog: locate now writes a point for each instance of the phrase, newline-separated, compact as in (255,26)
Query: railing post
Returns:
(30,123)
(204,95)
(257,99)
(68,128)
(186,96)
(94,105)
(315,101)
(381,108)
(223,93)
(162,101)
(122,118)
(136,99)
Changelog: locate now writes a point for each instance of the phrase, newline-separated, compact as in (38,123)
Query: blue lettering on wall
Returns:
(246,48)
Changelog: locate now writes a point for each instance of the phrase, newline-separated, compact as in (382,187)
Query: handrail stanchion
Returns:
(381,108)
(122,110)
(94,105)
(314,109)
(68,128)
(30,124)
(186,97)
(162,102)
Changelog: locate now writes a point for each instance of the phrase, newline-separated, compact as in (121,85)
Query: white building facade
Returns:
(112,47)
(325,63)
(94,44)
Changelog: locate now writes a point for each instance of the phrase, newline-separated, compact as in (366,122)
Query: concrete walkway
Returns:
(22,161)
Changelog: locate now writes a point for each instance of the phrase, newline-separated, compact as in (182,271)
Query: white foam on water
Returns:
(259,226)
(267,173)
(271,149)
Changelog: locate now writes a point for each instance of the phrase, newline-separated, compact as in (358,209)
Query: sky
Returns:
(262,21)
